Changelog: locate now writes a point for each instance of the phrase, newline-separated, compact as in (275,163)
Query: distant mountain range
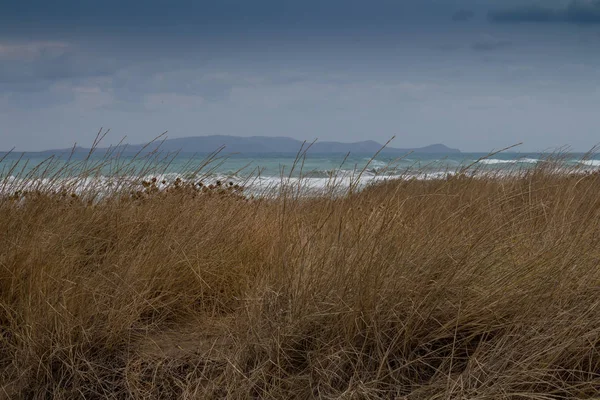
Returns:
(266,145)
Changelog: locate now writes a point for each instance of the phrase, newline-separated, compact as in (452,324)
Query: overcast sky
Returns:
(472,74)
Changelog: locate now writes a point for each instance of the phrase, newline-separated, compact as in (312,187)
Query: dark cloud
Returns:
(463,15)
(576,12)
(584,12)
(525,14)
(220,18)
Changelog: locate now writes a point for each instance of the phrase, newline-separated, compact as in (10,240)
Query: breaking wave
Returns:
(496,161)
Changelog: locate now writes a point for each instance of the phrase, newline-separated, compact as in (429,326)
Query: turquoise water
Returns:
(273,165)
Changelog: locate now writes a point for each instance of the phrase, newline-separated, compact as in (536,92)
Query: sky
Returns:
(477,75)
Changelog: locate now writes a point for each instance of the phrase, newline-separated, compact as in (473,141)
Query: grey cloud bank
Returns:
(577,11)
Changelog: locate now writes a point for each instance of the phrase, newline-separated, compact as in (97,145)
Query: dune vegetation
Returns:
(465,287)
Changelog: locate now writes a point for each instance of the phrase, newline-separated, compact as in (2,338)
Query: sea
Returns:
(262,172)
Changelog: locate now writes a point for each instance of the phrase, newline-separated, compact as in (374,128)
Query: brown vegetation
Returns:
(457,288)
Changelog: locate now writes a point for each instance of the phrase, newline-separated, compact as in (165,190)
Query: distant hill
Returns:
(267,144)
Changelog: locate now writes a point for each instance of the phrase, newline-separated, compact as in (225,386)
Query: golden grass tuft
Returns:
(456,288)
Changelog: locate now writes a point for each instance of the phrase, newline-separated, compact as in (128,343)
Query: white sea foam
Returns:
(590,163)
(100,186)
(259,185)
(338,183)
(495,161)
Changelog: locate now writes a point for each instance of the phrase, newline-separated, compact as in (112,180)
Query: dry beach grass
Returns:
(455,288)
